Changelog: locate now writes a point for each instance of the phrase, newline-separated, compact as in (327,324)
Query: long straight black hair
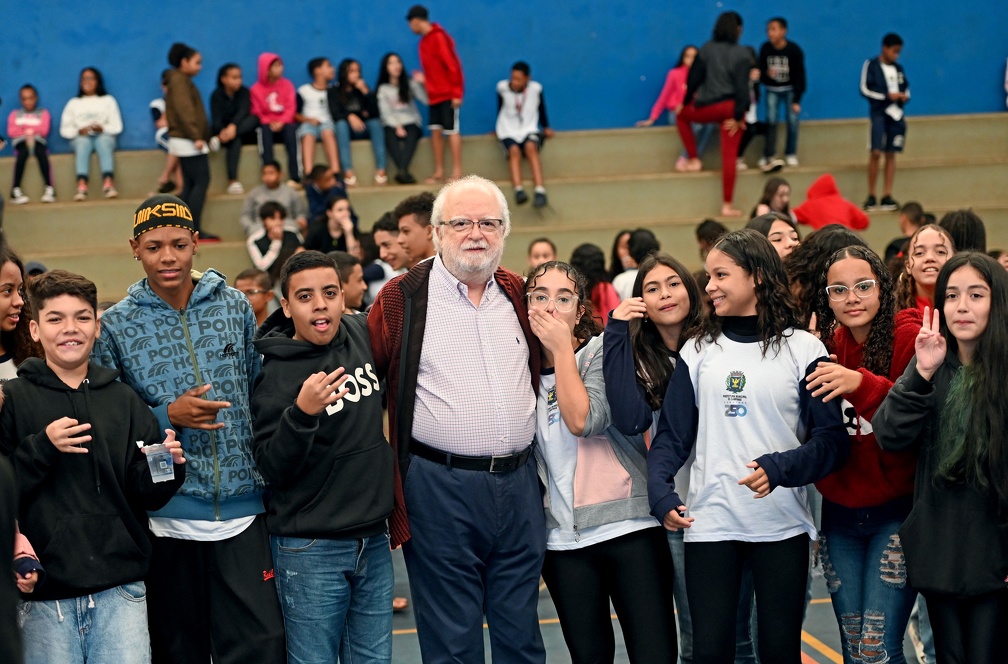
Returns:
(652,362)
(405,94)
(980,457)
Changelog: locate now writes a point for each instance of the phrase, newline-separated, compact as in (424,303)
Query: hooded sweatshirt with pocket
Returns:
(331,474)
(84,513)
(272,101)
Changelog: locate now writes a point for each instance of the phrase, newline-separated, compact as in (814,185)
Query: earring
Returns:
(136,258)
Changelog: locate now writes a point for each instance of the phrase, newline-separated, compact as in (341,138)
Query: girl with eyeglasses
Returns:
(949,408)
(602,545)
(736,397)
(865,501)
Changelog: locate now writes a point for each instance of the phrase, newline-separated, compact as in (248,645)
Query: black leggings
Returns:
(41,153)
(969,629)
(713,581)
(635,572)
(400,150)
(232,150)
(195,180)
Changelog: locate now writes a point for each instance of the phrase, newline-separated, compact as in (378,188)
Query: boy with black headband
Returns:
(183,341)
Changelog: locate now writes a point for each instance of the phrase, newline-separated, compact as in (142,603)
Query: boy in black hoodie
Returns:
(75,435)
(320,443)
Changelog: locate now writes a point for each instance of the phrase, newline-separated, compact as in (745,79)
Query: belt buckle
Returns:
(493,463)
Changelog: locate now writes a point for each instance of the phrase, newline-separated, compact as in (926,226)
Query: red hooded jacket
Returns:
(824,205)
(441,65)
(272,101)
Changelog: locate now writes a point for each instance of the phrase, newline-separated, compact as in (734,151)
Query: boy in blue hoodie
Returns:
(75,436)
(183,342)
(320,442)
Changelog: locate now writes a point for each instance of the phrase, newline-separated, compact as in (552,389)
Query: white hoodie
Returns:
(84,111)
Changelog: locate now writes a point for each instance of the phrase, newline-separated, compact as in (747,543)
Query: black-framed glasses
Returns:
(562,303)
(465,225)
(862,289)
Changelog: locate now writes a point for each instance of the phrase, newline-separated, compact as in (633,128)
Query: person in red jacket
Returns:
(442,76)
(824,205)
(866,501)
(274,102)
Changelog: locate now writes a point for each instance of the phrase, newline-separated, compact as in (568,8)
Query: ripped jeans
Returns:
(862,560)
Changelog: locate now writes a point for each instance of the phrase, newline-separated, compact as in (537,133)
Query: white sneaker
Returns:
(18,197)
(740,165)
(214,144)
(49,195)
(235,188)
(791,160)
(762,162)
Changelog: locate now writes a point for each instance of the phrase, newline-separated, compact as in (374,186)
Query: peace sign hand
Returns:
(929,345)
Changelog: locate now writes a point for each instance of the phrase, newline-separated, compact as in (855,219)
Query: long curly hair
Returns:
(586,327)
(18,342)
(878,347)
(775,306)
(651,358)
(906,285)
(977,453)
(805,264)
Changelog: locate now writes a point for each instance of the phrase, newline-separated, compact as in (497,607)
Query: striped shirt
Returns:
(474,389)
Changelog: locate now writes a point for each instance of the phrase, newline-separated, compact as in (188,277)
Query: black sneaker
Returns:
(521,197)
(166,187)
(539,200)
(870,204)
(888,203)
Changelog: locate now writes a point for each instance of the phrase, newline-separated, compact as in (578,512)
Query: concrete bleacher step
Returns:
(577,154)
(607,200)
(113,268)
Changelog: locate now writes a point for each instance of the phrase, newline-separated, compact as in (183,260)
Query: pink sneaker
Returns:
(680,164)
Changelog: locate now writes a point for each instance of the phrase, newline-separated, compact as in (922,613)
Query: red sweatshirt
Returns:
(272,101)
(872,477)
(824,205)
(441,65)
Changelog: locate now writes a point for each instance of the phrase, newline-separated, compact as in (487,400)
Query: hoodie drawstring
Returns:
(59,611)
(90,601)
(94,459)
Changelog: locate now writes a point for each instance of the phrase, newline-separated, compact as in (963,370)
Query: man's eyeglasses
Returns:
(562,303)
(862,289)
(465,225)
(255,291)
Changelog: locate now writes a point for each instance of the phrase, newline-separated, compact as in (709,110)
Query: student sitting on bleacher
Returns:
(231,120)
(91,122)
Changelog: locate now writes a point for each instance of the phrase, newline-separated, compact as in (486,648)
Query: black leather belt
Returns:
(504,463)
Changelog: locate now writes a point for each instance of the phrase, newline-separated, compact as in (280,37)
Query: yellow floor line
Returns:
(816,644)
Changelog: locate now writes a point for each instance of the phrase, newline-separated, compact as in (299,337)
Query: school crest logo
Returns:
(735,382)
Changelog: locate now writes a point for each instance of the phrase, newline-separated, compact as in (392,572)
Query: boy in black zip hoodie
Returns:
(75,435)
(320,443)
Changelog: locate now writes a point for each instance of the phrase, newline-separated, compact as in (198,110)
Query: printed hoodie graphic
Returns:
(274,101)
(824,205)
(162,353)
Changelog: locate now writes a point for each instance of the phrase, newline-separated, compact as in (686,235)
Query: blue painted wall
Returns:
(602,63)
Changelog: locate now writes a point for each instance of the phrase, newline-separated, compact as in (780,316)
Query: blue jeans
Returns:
(866,576)
(922,622)
(372,130)
(109,627)
(774,101)
(683,619)
(336,596)
(83,146)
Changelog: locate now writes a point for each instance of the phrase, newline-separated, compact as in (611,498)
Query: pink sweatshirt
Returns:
(22,123)
(272,101)
(672,93)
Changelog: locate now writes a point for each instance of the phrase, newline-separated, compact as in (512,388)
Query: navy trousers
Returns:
(477,546)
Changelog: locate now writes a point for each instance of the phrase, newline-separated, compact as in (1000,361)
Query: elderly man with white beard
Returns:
(452,337)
